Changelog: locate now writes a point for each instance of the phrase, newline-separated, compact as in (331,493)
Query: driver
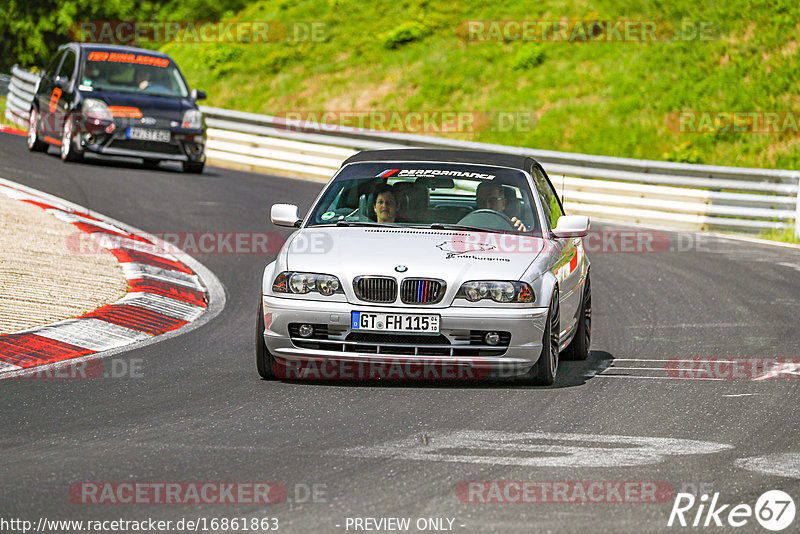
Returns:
(142,79)
(490,196)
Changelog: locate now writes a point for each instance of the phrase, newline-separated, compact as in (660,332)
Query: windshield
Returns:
(132,73)
(429,194)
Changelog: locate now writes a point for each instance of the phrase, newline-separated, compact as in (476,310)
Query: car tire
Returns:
(543,372)
(578,348)
(192,167)
(34,143)
(265,362)
(69,152)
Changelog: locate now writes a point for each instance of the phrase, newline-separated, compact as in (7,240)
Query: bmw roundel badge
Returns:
(401,268)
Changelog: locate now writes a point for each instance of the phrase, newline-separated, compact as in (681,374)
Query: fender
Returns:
(267,278)
(548,284)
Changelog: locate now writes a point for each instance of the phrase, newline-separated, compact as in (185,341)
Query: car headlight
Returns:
(93,108)
(302,283)
(192,119)
(497,290)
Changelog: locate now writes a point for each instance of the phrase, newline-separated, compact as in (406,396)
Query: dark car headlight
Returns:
(302,283)
(497,290)
(192,119)
(93,108)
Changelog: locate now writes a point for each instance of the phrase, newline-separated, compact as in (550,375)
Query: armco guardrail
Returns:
(678,195)
(693,197)
(21,88)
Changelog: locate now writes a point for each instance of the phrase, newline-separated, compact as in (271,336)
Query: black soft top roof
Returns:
(524,163)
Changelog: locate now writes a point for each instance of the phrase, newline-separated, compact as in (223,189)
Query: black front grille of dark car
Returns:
(145,146)
(421,291)
(375,288)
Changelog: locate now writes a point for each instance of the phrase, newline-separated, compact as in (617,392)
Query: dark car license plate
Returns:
(146,134)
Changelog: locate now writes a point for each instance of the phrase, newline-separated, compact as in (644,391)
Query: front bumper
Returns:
(110,139)
(460,341)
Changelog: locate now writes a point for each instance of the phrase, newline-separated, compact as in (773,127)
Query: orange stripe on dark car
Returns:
(121,111)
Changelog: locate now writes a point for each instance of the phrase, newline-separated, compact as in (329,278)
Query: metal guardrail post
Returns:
(5,79)
(797,214)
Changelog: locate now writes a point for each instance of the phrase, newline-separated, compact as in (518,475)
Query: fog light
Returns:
(492,338)
(305,330)
(89,139)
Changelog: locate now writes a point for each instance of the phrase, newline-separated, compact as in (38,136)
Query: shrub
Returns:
(528,57)
(406,32)
(684,153)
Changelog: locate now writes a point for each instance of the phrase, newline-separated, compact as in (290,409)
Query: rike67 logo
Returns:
(774,510)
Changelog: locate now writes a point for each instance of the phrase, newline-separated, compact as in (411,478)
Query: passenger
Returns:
(92,73)
(385,204)
(490,196)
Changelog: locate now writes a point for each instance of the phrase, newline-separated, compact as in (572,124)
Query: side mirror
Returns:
(571,226)
(198,95)
(285,215)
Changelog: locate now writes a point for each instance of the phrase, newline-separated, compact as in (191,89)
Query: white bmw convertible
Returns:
(424,263)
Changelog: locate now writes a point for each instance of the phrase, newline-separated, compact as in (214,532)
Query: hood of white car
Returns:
(455,257)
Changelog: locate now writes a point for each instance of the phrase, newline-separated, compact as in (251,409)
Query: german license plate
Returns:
(146,134)
(394,322)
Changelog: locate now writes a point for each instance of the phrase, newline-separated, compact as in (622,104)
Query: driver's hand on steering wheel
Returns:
(518,225)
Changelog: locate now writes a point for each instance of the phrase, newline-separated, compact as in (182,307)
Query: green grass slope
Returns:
(611,98)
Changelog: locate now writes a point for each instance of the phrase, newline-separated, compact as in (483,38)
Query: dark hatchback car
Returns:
(118,101)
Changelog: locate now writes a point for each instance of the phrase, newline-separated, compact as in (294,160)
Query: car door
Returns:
(63,93)
(567,268)
(45,93)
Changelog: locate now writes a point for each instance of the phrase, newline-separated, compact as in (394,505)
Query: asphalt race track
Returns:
(197,411)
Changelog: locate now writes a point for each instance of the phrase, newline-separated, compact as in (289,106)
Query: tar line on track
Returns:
(167,296)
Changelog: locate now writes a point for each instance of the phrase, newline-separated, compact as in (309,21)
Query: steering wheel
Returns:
(487,218)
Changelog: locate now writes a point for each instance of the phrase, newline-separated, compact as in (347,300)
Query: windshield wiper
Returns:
(442,226)
(467,228)
(368,223)
(357,223)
